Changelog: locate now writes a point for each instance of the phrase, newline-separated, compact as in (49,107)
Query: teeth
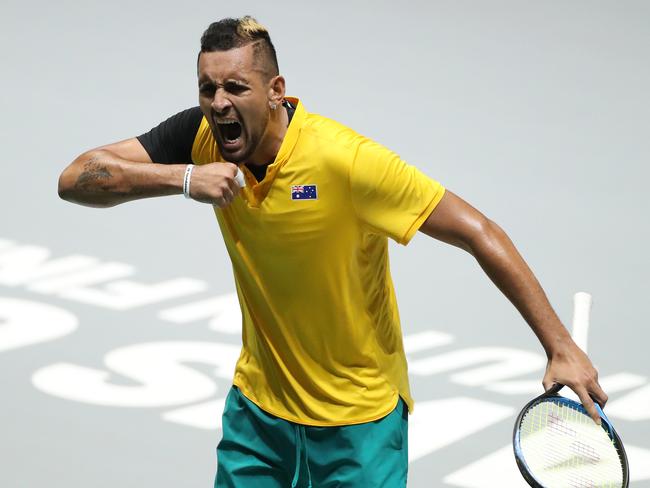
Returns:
(227,133)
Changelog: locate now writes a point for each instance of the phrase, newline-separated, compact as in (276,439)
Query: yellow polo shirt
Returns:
(322,342)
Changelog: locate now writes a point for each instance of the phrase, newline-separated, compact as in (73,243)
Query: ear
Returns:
(276,90)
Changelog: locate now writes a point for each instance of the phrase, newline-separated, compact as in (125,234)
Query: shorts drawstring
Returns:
(297,440)
(301,447)
(304,443)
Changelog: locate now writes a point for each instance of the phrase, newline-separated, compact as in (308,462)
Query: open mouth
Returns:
(230,131)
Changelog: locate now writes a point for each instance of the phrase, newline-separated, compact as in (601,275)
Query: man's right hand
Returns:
(214,183)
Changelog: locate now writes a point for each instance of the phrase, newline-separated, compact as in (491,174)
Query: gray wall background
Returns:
(535,112)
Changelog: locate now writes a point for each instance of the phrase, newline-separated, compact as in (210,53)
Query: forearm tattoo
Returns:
(93,175)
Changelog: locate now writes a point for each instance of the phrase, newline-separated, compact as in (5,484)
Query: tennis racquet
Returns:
(558,445)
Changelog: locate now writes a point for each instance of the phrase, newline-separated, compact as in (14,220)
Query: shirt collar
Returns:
(255,192)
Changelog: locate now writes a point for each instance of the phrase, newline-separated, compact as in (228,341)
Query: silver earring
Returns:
(273,105)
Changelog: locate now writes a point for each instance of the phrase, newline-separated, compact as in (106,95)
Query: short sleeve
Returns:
(391,197)
(171,141)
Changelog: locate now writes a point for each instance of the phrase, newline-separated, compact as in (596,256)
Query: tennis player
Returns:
(320,394)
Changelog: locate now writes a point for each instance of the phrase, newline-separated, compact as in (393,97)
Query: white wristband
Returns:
(187,179)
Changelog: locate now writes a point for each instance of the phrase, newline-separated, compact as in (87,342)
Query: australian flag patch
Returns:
(304,192)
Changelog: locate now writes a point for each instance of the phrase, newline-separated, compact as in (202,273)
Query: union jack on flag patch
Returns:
(304,192)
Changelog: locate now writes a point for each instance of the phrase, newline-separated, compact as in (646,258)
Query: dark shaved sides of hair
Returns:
(229,33)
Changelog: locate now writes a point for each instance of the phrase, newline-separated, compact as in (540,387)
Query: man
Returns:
(320,391)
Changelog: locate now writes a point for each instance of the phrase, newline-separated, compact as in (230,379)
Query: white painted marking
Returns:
(96,275)
(639,460)
(126,294)
(496,469)
(611,384)
(509,363)
(29,263)
(580,322)
(16,260)
(429,339)
(438,423)
(614,383)
(206,416)
(223,311)
(157,368)
(5,244)
(634,406)
(517,387)
(26,322)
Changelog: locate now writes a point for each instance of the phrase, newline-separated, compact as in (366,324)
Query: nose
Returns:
(220,103)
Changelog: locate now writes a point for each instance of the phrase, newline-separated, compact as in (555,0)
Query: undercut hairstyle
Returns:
(229,33)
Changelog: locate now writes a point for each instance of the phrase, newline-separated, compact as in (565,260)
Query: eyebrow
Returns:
(205,80)
(242,82)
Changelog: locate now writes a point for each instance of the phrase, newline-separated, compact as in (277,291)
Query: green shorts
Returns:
(259,450)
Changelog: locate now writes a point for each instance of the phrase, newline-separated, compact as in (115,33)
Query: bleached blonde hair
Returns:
(250,28)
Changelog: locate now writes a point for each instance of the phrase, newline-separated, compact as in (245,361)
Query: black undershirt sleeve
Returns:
(171,141)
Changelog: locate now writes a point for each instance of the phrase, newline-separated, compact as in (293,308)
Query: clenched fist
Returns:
(215,183)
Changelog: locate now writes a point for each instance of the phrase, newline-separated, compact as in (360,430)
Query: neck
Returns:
(275,132)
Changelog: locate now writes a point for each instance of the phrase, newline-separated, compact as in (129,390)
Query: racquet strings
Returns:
(563,447)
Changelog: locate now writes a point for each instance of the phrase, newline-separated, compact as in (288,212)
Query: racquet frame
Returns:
(605,423)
